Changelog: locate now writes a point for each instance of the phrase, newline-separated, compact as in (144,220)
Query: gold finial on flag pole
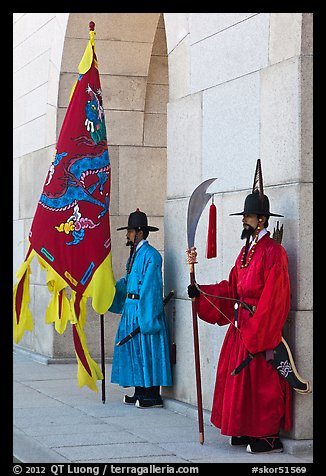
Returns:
(92,34)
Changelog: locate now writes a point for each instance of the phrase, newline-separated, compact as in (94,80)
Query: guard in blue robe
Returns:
(144,361)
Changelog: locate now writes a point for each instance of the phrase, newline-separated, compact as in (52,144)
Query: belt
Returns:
(249,307)
(132,296)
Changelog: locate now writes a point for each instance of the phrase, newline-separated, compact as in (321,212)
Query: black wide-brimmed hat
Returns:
(138,220)
(257,203)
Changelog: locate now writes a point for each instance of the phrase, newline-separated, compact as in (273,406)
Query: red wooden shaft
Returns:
(197,362)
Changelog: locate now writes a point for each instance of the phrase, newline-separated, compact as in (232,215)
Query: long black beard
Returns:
(134,243)
(247,232)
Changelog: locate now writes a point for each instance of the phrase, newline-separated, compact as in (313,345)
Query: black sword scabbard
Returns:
(243,364)
(129,336)
(136,331)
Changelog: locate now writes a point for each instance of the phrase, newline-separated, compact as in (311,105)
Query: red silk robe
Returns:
(257,401)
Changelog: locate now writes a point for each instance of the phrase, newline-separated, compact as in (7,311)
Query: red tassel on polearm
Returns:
(211,233)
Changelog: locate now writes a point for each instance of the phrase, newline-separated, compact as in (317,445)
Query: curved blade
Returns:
(197,203)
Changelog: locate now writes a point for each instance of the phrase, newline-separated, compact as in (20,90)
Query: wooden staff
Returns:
(102,357)
(197,202)
(197,359)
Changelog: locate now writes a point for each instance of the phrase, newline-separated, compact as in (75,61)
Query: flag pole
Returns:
(92,28)
(102,357)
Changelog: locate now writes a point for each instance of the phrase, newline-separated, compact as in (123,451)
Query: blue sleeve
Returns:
(120,296)
(151,297)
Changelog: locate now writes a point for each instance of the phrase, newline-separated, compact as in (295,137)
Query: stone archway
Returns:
(132,58)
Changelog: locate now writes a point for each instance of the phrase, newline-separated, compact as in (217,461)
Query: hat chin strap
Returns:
(133,251)
(135,242)
(258,228)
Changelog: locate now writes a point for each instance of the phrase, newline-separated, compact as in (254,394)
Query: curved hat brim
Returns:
(149,228)
(269,214)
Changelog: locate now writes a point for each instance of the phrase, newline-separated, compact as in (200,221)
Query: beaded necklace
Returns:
(244,262)
(132,255)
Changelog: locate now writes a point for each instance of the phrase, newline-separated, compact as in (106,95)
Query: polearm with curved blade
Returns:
(197,203)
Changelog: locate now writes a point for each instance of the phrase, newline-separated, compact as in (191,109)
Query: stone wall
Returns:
(240,89)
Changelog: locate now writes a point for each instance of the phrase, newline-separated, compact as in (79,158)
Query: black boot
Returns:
(140,392)
(240,440)
(152,398)
(266,444)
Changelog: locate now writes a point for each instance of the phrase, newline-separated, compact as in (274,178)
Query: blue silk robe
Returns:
(144,360)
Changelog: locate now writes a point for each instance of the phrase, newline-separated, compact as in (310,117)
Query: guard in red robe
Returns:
(255,404)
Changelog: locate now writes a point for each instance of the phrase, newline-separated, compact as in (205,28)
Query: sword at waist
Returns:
(136,331)
(282,361)
(245,305)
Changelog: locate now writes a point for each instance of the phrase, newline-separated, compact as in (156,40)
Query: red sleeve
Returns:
(264,330)
(214,309)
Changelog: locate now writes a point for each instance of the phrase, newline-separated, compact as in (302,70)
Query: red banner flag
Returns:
(70,232)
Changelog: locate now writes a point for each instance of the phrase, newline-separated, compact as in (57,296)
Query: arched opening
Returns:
(132,59)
